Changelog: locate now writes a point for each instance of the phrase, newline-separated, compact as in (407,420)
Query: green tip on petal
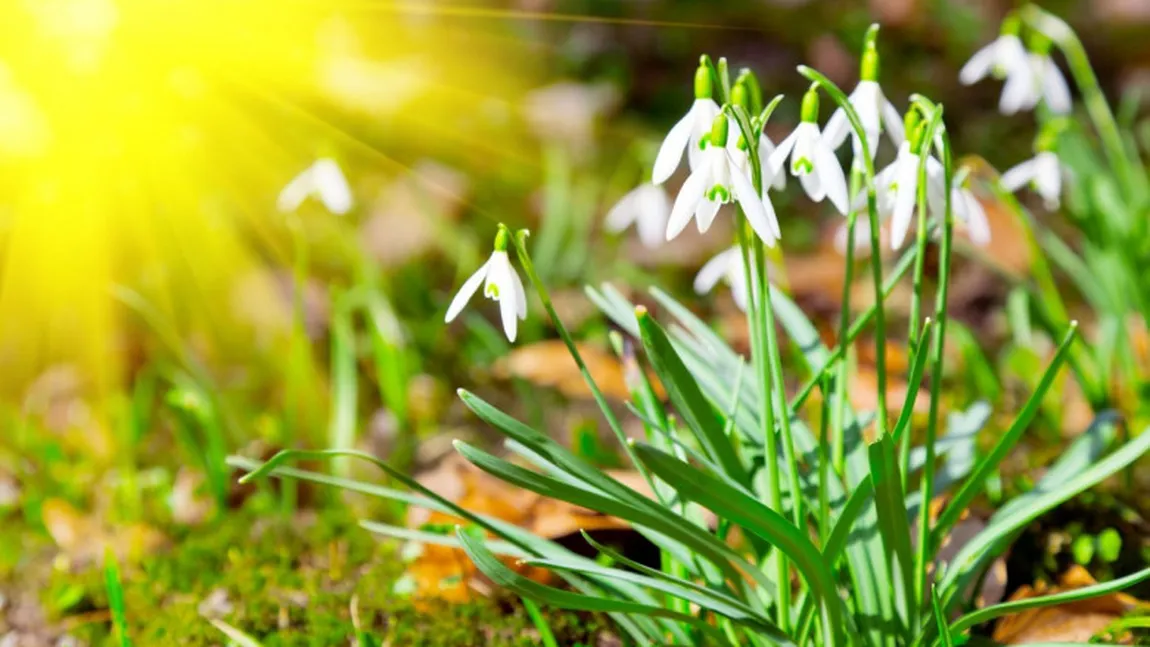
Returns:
(1011,25)
(704,82)
(810,110)
(501,239)
(870,64)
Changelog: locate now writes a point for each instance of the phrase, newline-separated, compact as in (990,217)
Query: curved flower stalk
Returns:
(691,131)
(876,113)
(647,207)
(323,180)
(727,266)
(500,283)
(1043,172)
(812,160)
(717,181)
(1004,58)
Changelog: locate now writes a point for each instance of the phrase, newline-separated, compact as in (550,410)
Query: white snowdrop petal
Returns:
(976,223)
(904,200)
(812,186)
(892,121)
(466,291)
(1016,93)
(520,293)
(671,151)
(760,213)
(713,270)
(1054,88)
(625,212)
(1048,178)
(686,203)
(979,65)
(837,128)
(296,191)
(332,186)
(653,207)
(705,215)
(779,156)
(1019,175)
(501,276)
(831,177)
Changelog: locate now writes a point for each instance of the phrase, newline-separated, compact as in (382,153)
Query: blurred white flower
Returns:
(1049,85)
(727,266)
(322,180)
(647,207)
(690,132)
(812,159)
(716,181)
(1004,57)
(1043,173)
(500,283)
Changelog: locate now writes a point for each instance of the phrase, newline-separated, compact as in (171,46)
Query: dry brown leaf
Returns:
(1074,622)
(443,573)
(548,363)
(84,539)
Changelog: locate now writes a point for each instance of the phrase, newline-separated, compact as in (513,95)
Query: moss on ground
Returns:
(288,582)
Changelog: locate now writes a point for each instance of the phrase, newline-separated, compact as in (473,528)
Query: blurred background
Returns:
(157,311)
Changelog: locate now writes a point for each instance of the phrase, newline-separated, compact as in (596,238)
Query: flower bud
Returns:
(810,109)
(869,66)
(501,238)
(719,130)
(704,83)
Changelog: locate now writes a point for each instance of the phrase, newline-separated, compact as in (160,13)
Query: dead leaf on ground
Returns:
(83,539)
(548,363)
(444,573)
(406,218)
(1074,622)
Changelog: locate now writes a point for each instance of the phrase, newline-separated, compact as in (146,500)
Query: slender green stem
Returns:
(841,398)
(824,463)
(925,549)
(519,241)
(919,262)
(1097,107)
(876,246)
(856,328)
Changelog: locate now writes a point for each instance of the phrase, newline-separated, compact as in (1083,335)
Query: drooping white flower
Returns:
(647,207)
(874,111)
(1043,173)
(1004,57)
(812,159)
(500,283)
(690,132)
(719,180)
(1050,85)
(726,266)
(969,213)
(322,180)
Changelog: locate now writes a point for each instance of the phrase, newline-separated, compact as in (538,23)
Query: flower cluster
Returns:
(731,161)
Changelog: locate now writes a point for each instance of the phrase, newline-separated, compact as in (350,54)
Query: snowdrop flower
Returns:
(1047,84)
(323,180)
(727,266)
(812,160)
(691,131)
(901,180)
(1043,173)
(874,110)
(969,211)
(501,283)
(718,180)
(647,207)
(1006,58)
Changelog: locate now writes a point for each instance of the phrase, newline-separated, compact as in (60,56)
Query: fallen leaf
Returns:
(444,573)
(83,539)
(548,363)
(1073,622)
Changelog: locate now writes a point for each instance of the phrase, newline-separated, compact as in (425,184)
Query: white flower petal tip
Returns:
(726,266)
(687,134)
(648,208)
(500,283)
(322,180)
(1043,173)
